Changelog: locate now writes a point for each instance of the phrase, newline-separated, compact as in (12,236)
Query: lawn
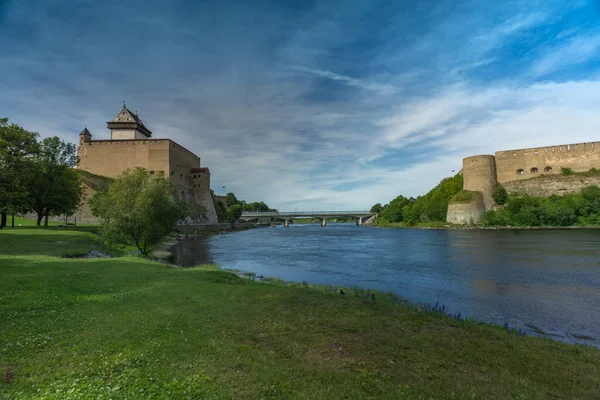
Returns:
(130,328)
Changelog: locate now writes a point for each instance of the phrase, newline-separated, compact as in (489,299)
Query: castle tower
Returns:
(85,136)
(127,126)
(479,174)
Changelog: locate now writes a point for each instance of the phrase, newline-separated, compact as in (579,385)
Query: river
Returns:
(545,282)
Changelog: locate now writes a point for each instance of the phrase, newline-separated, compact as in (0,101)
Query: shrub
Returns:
(566,171)
(499,194)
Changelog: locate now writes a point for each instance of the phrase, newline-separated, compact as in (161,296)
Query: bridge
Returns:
(360,216)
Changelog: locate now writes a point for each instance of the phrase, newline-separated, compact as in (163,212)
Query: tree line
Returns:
(234,208)
(36,176)
(431,207)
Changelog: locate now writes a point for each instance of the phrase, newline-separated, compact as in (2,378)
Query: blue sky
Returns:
(310,104)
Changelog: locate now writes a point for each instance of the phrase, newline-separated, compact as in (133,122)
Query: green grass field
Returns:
(127,328)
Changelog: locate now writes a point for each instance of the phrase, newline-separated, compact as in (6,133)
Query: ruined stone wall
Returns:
(479,174)
(513,165)
(464,213)
(548,185)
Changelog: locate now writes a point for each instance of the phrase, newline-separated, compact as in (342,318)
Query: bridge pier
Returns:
(323,222)
(359,221)
(286,223)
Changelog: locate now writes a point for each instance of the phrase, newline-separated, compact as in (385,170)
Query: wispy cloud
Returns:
(577,50)
(347,80)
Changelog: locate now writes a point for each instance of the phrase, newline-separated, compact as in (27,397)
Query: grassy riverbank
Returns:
(131,328)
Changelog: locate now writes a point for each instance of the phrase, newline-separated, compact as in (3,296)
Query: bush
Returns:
(566,171)
(582,208)
(499,194)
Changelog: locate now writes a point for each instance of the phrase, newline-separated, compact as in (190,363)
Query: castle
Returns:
(481,173)
(131,145)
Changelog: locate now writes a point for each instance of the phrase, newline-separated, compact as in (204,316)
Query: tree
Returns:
(234,213)
(499,194)
(54,187)
(138,209)
(17,146)
(377,208)
(231,199)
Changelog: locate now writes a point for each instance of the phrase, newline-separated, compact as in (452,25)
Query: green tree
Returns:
(231,199)
(234,213)
(377,208)
(433,206)
(17,146)
(138,209)
(54,187)
(499,194)
(393,212)
(221,210)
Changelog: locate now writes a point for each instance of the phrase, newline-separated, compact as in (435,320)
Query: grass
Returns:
(130,328)
(96,182)
(464,196)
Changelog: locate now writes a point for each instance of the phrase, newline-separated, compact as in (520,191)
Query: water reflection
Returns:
(540,281)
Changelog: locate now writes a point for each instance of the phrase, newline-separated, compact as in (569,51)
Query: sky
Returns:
(304,104)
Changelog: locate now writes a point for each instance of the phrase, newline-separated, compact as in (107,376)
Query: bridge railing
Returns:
(302,213)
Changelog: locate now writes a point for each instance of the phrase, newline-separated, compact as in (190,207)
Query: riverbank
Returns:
(127,328)
(446,225)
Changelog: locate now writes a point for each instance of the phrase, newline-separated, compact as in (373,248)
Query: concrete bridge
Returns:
(360,216)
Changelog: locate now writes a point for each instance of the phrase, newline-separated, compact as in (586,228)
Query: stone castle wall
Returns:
(480,173)
(160,156)
(464,213)
(512,165)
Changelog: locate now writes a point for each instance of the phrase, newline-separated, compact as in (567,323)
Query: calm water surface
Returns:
(539,280)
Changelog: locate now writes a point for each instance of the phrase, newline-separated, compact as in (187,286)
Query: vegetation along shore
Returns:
(126,327)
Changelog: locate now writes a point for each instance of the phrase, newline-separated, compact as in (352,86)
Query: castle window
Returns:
(194,176)
(533,170)
(502,154)
(520,172)
(161,173)
(548,169)
(152,172)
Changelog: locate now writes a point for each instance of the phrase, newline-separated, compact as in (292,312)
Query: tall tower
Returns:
(479,173)
(127,126)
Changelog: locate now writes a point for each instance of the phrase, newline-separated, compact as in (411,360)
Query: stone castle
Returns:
(481,173)
(131,145)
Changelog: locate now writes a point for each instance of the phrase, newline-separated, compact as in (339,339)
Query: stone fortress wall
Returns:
(480,173)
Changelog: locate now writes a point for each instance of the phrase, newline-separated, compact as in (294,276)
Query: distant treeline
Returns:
(236,207)
(432,207)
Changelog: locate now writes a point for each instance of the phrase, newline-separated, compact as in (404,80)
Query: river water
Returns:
(545,282)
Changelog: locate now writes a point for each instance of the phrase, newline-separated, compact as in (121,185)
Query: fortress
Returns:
(481,173)
(131,145)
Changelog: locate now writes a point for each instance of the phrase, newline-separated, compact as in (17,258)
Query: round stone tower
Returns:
(479,174)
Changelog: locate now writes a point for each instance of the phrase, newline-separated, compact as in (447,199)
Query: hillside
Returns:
(95,182)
